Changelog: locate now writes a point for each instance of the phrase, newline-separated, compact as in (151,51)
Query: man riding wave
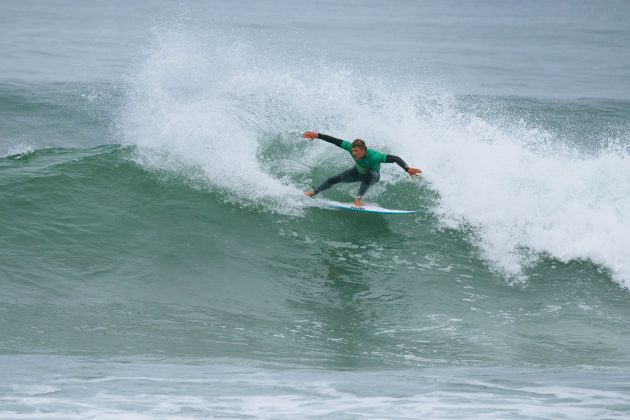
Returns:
(367,165)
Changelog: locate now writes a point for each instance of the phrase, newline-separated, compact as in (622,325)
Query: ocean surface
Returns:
(158,258)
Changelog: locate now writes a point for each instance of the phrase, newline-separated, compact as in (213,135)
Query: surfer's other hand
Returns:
(414,171)
(309,135)
(309,193)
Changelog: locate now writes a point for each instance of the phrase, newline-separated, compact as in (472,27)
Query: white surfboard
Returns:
(368,208)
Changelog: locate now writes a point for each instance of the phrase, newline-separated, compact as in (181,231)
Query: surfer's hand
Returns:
(310,135)
(309,193)
(414,171)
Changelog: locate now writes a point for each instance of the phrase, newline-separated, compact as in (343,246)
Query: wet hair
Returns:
(359,143)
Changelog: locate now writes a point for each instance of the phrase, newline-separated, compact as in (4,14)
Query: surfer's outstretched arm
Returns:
(402,164)
(330,139)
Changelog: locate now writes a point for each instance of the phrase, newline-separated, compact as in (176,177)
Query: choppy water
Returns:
(159,259)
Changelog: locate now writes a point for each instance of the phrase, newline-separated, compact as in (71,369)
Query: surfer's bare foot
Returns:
(357,202)
(309,193)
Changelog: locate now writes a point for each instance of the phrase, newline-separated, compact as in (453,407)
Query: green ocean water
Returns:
(159,260)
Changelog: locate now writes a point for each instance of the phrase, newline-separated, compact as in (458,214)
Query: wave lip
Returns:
(19,151)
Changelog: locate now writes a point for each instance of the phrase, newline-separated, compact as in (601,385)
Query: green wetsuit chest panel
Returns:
(372,159)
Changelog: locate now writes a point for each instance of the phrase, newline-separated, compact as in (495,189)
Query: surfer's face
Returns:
(358,152)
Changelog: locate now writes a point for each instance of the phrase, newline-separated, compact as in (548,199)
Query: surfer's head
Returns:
(358,149)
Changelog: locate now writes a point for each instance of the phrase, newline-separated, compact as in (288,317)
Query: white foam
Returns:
(185,109)
(525,201)
(211,391)
(20,149)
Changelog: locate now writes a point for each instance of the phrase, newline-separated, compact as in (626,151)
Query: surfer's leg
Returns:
(349,175)
(369,177)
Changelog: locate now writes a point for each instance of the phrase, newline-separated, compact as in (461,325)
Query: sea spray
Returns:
(520,191)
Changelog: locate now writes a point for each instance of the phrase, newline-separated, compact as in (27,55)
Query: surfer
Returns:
(367,164)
